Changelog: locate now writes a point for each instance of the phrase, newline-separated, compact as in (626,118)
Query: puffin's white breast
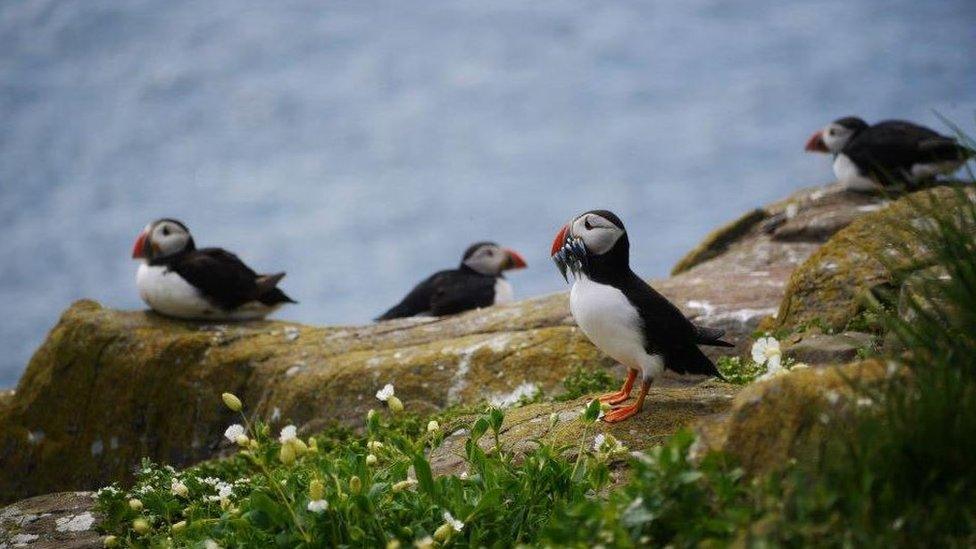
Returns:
(503,291)
(848,173)
(168,293)
(609,320)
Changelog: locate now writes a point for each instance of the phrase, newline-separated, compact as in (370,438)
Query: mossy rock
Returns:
(109,387)
(832,286)
(773,421)
(671,406)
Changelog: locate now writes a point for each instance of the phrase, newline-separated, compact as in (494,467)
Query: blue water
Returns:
(363,144)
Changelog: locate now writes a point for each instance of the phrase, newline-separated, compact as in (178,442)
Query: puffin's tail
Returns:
(268,291)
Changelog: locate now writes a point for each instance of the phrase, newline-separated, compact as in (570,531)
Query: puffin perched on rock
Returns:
(176,279)
(889,152)
(477,282)
(621,314)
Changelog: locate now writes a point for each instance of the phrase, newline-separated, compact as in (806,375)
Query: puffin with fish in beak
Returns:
(622,315)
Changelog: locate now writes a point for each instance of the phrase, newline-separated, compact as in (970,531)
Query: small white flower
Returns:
(233,432)
(288,433)
(224,490)
(463,475)
(424,543)
(211,544)
(765,350)
(177,488)
(318,506)
(385,393)
(598,442)
(456,524)
(864,402)
(832,396)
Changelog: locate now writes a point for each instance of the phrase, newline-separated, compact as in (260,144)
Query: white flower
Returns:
(425,543)
(318,506)
(177,488)
(233,432)
(288,433)
(211,544)
(832,396)
(385,393)
(598,442)
(766,351)
(224,490)
(456,524)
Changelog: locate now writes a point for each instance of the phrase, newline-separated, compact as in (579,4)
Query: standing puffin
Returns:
(889,152)
(176,279)
(477,282)
(621,314)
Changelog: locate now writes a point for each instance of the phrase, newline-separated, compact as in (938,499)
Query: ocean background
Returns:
(361,145)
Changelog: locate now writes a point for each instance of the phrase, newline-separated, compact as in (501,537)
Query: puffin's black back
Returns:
(446,292)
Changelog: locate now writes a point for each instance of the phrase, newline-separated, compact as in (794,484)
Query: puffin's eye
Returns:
(165,231)
(586,223)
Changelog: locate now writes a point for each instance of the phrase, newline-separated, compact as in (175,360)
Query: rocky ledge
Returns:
(109,387)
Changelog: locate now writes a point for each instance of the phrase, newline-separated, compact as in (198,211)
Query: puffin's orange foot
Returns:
(614,398)
(619,414)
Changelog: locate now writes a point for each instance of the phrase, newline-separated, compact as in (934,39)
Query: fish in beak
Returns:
(513,261)
(816,143)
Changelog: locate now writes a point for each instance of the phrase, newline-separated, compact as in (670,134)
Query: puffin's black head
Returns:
(488,258)
(593,243)
(836,135)
(162,238)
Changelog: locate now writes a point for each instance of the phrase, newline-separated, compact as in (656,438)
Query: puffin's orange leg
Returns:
(624,392)
(624,412)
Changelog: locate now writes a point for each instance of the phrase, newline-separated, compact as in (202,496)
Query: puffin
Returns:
(477,282)
(892,152)
(623,315)
(178,280)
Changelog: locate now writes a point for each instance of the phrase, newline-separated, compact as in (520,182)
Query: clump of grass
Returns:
(583,381)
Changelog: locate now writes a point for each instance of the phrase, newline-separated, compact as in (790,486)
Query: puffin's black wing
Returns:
(462,291)
(225,280)
(889,149)
(417,301)
(668,332)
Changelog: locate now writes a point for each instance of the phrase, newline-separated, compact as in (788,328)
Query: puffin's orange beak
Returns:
(139,249)
(515,260)
(557,252)
(816,144)
(560,240)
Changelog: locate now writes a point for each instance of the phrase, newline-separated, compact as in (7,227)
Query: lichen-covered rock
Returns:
(108,387)
(829,289)
(670,406)
(812,347)
(64,520)
(772,421)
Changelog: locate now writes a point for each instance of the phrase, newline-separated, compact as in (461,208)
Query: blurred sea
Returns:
(360,145)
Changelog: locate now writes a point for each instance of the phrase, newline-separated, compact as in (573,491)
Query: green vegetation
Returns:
(894,469)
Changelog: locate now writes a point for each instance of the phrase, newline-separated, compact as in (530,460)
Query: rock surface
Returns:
(815,348)
(830,288)
(772,421)
(109,387)
(60,520)
(673,404)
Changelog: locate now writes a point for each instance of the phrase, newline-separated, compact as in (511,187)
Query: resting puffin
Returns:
(477,282)
(621,314)
(889,152)
(176,279)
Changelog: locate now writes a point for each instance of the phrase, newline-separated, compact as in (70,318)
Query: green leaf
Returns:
(424,475)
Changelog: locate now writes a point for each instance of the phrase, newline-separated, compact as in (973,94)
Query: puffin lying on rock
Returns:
(176,279)
(621,314)
(887,153)
(477,282)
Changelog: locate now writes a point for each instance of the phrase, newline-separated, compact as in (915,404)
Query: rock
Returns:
(816,348)
(772,421)
(108,387)
(830,287)
(65,520)
(671,405)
